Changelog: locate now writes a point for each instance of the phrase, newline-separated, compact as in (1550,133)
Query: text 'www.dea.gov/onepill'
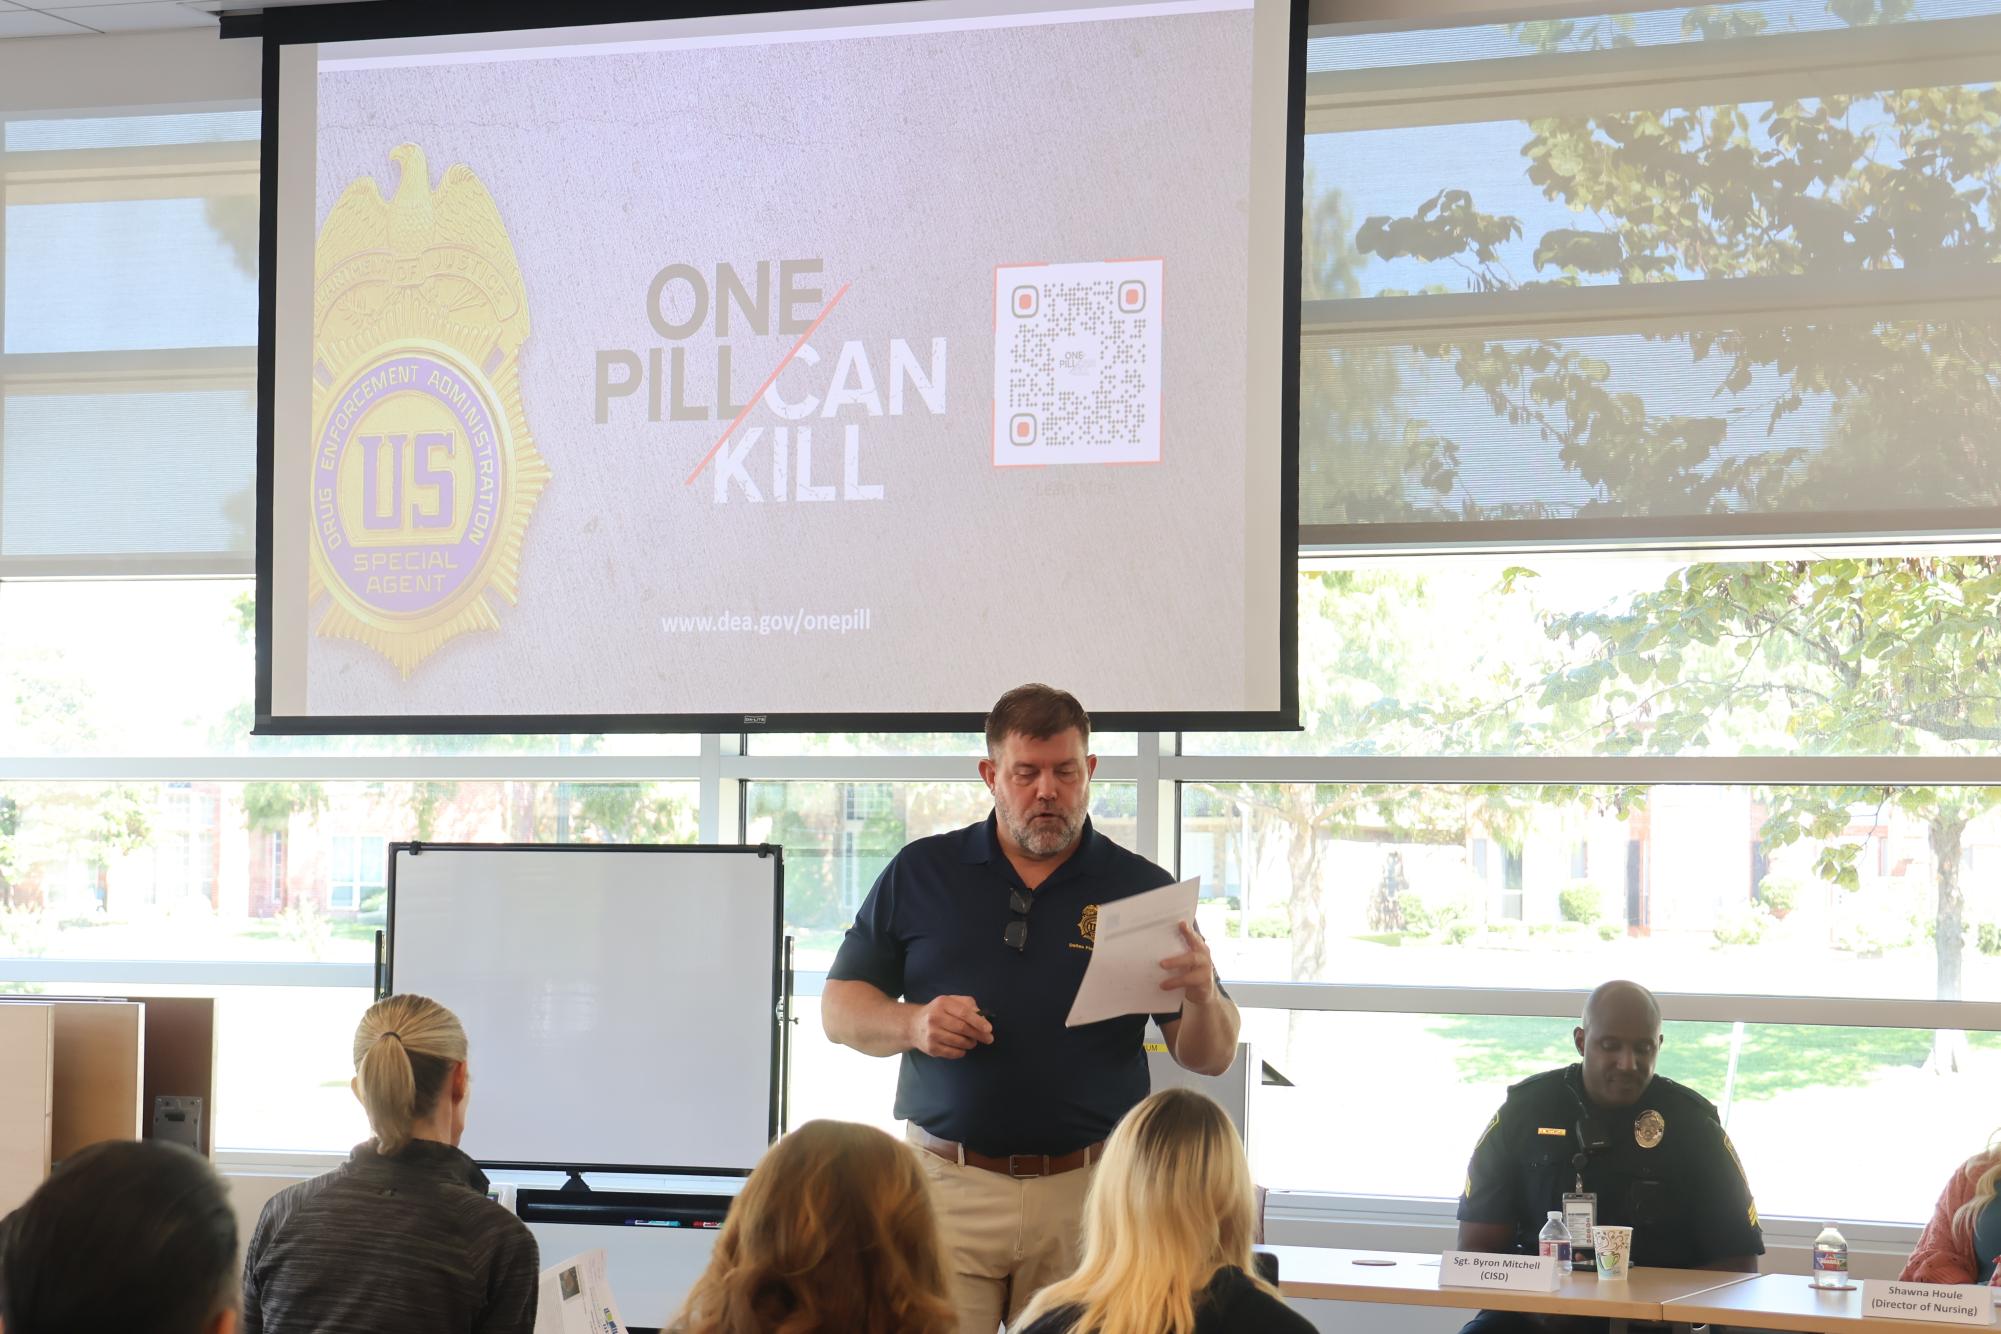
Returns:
(800,622)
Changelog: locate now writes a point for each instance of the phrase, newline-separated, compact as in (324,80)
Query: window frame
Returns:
(726,762)
(1931,52)
(216,169)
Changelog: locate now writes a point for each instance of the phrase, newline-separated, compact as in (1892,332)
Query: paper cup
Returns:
(1614,1246)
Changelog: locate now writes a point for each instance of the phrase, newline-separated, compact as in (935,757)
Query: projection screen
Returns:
(814,368)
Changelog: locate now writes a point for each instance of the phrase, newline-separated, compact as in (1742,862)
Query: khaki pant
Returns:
(1003,1239)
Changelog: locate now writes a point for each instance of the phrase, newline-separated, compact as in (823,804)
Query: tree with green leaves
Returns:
(1382,672)
(1799,187)
(1881,411)
(46,823)
(1844,655)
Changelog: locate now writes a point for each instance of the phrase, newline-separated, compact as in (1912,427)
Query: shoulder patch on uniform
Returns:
(1735,1161)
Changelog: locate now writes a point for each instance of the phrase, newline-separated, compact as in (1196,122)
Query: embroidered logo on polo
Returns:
(424,474)
(1087,927)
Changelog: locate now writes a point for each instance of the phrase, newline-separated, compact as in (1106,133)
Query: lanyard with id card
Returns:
(1580,1214)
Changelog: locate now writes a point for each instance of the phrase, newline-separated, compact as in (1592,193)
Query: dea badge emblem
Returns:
(1649,1128)
(423,475)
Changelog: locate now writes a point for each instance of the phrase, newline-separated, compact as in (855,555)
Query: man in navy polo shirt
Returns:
(984,934)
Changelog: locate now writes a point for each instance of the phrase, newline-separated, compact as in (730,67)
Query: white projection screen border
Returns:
(622,1003)
(1112,580)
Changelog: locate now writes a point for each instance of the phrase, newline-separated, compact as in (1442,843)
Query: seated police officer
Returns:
(1610,1138)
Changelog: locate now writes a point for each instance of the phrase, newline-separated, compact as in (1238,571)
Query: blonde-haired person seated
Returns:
(1962,1243)
(833,1234)
(1167,1234)
(401,1238)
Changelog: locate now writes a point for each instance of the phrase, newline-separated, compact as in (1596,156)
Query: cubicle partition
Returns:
(75,1071)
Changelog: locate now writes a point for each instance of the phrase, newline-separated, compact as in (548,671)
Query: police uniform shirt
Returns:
(1664,1167)
(935,924)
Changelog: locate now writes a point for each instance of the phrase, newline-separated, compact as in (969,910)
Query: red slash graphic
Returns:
(769,380)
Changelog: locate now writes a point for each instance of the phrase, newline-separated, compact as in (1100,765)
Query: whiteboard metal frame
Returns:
(781,983)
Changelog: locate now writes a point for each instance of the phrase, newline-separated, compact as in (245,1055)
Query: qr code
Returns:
(1077,362)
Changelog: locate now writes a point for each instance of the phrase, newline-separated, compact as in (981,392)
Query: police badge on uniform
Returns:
(1649,1128)
(423,474)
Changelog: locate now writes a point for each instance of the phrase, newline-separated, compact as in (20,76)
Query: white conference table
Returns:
(1787,1302)
(1314,1273)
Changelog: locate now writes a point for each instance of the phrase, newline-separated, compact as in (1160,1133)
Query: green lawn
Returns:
(1775,1058)
(268,928)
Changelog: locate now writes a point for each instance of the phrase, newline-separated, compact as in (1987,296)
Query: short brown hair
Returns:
(1037,712)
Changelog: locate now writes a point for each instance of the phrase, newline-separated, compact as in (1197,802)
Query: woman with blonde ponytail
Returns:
(401,1238)
(1167,1234)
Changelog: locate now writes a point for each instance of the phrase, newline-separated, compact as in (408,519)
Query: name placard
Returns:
(1521,1273)
(1946,1303)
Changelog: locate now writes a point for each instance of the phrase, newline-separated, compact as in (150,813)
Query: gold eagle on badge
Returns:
(424,475)
(449,245)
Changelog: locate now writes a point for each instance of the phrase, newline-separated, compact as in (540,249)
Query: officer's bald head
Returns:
(1619,1039)
(1622,1003)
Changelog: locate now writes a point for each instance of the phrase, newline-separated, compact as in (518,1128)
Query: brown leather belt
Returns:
(1021,1166)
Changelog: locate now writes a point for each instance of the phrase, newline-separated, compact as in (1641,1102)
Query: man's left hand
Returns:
(1194,973)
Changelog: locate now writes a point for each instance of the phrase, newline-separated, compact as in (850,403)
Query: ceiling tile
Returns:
(27,23)
(130,17)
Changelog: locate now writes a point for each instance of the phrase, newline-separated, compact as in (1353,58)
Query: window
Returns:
(99,895)
(838,837)
(358,874)
(184,850)
(1639,284)
(1379,885)
(127,343)
(1646,433)
(1445,1074)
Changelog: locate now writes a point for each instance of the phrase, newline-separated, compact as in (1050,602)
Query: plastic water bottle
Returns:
(1554,1239)
(1830,1259)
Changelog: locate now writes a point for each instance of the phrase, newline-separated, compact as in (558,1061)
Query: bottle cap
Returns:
(1556,1214)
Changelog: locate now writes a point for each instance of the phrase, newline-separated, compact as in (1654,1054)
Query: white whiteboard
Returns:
(618,1001)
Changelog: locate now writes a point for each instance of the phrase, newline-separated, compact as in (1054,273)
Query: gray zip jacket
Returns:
(407,1244)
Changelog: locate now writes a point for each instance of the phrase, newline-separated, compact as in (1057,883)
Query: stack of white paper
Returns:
(574,1297)
(1133,936)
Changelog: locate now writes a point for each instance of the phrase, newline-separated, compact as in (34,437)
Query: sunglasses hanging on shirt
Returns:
(1018,903)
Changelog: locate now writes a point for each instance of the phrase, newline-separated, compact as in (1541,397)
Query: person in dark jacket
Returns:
(127,1236)
(1167,1234)
(401,1238)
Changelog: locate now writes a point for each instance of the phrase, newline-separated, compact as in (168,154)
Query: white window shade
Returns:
(128,264)
(1565,284)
